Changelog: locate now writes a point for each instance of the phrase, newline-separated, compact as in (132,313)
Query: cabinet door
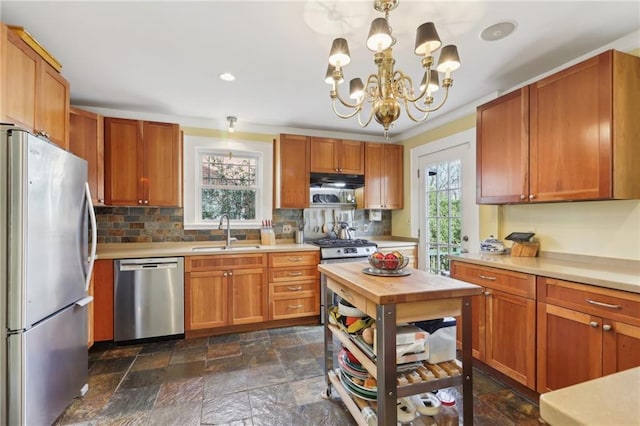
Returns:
(248,295)
(292,172)
(392,177)
(206,299)
(325,155)
(162,165)
(20,83)
(502,151)
(86,140)
(569,347)
(103,300)
(510,331)
(373,177)
(52,102)
(621,346)
(571,146)
(123,162)
(351,157)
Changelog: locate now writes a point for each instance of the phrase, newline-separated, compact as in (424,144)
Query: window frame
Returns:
(194,148)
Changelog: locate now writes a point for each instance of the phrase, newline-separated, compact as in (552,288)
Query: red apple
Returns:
(391,261)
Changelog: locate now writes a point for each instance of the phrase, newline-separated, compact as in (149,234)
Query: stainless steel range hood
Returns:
(335,180)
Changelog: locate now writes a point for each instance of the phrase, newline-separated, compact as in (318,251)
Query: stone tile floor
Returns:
(270,377)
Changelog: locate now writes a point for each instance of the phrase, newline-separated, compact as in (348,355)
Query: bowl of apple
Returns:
(390,262)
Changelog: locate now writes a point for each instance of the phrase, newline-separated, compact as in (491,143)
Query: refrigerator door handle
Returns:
(84,301)
(94,236)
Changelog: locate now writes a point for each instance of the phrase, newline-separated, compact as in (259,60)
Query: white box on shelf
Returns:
(442,339)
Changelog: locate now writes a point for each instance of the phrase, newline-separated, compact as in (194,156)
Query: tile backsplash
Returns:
(159,224)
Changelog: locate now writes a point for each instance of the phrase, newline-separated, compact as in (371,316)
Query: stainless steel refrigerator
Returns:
(45,266)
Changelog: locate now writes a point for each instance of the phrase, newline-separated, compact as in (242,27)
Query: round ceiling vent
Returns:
(497,31)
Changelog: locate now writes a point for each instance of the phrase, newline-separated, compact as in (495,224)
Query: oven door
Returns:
(323,284)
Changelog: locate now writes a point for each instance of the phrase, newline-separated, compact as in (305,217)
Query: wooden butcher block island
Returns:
(391,300)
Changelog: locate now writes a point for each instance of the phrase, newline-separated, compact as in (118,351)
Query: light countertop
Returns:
(611,273)
(608,400)
(139,250)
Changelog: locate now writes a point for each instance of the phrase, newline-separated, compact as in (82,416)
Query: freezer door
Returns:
(48,367)
(48,229)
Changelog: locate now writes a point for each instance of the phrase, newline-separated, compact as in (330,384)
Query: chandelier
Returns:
(389,90)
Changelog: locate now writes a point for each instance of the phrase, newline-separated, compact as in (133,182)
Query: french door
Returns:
(448,213)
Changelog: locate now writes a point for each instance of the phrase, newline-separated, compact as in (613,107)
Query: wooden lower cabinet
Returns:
(503,320)
(103,300)
(294,285)
(584,332)
(223,290)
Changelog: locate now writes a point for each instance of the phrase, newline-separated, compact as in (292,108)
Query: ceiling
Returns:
(164,57)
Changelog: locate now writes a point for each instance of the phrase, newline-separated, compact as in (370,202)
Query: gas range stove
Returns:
(338,249)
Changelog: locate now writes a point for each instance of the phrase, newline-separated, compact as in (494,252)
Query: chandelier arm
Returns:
(422,92)
(442,101)
(349,115)
(408,110)
(345,103)
(365,124)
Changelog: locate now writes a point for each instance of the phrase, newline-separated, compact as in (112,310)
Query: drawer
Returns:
(308,258)
(603,302)
(515,283)
(297,307)
(225,261)
(357,300)
(293,274)
(292,288)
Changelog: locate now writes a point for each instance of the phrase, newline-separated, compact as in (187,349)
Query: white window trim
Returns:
(193,147)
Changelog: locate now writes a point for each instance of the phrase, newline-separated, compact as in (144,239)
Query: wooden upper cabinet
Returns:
(86,140)
(580,125)
(383,176)
(143,163)
(34,95)
(502,153)
(337,156)
(292,172)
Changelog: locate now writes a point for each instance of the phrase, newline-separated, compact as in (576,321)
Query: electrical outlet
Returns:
(286,229)
(365,227)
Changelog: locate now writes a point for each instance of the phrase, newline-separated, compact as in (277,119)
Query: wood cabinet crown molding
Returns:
(567,137)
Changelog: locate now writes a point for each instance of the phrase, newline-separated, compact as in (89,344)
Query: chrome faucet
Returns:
(229,239)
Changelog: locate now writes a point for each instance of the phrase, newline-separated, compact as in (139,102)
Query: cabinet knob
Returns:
(487,293)
(101,200)
(146,201)
(139,201)
(594,324)
(522,196)
(230,273)
(607,327)
(531,196)
(224,274)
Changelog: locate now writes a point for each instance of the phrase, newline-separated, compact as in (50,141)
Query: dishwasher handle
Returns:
(148,264)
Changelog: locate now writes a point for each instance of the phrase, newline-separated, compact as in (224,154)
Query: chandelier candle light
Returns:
(387,90)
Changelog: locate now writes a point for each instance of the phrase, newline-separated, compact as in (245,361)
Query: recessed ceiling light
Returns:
(498,31)
(227,76)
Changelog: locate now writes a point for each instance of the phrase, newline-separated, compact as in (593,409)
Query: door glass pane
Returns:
(444,214)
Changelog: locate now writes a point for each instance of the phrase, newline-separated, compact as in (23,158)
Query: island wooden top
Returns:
(418,287)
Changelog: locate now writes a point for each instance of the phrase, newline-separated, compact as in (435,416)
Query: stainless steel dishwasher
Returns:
(149,298)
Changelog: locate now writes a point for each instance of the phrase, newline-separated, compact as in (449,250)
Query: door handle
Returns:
(94,236)
(604,305)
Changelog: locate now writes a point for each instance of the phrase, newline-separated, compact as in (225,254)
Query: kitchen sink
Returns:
(224,248)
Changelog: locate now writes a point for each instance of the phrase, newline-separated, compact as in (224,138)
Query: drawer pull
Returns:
(607,327)
(485,277)
(594,324)
(295,274)
(604,305)
(294,306)
(295,288)
(294,259)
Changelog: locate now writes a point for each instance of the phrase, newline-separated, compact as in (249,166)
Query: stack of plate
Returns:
(351,374)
